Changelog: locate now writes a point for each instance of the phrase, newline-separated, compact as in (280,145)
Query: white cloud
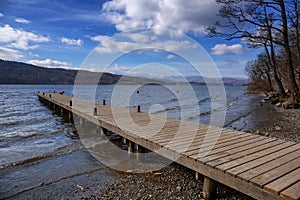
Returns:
(10,54)
(22,21)
(127,42)
(51,63)
(222,49)
(33,55)
(1,14)
(68,41)
(170,56)
(100,38)
(18,38)
(191,15)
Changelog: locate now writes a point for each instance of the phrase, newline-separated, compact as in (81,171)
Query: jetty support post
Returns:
(70,116)
(81,121)
(101,131)
(130,147)
(138,108)
(198,176)
(139,150)
(209,188)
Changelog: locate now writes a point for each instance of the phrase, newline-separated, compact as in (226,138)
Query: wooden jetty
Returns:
(261,167)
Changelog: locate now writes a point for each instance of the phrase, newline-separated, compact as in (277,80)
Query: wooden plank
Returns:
(222,140)
(184,148)
(250,174)
(212,138)
(174,129)
(284,182)
(178,140)
(198,140)
(245,159)
(233,155)
(276,173)
(175,136)
(141,119)
(224,147)
(259,161)
(221,147)
(292,193)
(164,133)
(142,130)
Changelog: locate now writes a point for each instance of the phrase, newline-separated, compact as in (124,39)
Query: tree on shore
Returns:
(260,73)
(271,25)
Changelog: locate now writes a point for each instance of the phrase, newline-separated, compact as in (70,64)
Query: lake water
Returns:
(38,149)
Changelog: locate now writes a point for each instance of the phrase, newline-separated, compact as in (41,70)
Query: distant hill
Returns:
(202,81)
(21,73)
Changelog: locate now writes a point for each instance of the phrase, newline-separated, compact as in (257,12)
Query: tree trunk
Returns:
(269,79)
(292,79)
(271,58)
(275,73)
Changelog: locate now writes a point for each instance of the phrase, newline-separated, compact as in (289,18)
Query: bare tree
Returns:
(259,70)
(263,24)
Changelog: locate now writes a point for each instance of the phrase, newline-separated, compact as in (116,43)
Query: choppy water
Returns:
(38,148)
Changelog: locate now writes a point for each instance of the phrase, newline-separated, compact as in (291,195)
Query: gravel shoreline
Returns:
(284,124)
(172,182)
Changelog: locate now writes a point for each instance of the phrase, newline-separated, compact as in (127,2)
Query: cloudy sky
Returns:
(62,33)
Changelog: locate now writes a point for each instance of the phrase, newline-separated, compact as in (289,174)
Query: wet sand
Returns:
(77,175)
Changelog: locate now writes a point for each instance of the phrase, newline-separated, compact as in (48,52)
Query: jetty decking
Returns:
(261,167)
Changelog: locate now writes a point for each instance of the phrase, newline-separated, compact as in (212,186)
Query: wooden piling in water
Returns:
(130,147)
(70,116)
(138,108)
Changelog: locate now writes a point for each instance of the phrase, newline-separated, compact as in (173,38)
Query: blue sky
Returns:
(63,33)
